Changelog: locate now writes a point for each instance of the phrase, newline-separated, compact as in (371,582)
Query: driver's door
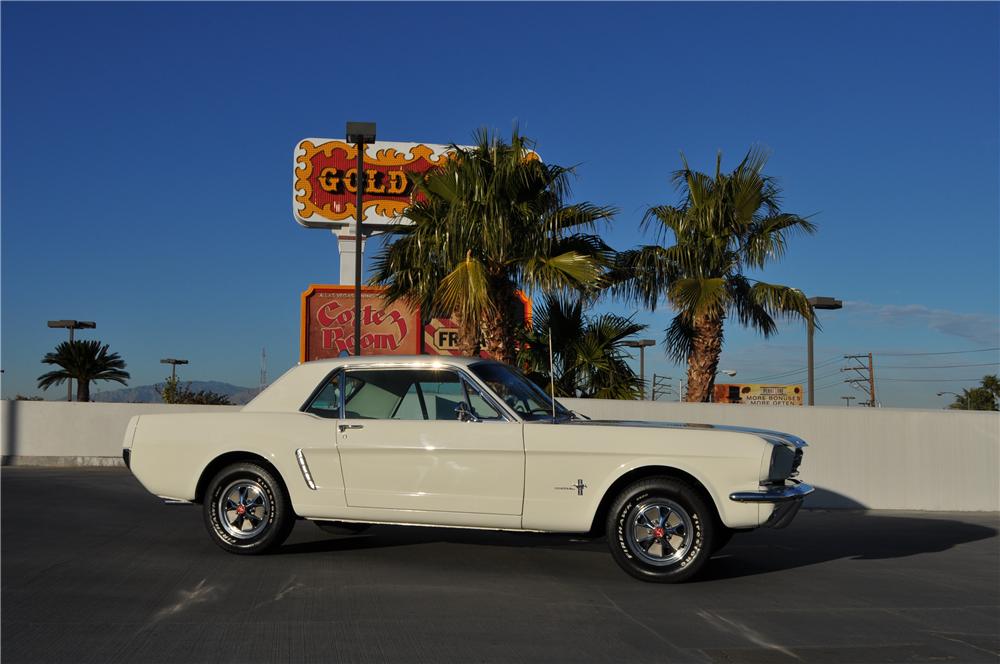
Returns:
(402,446)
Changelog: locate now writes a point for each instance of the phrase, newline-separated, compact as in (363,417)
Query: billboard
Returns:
(386,329)
(328,324)
(757,394)
(324,183)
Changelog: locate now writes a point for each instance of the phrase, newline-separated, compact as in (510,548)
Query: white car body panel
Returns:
(487,474)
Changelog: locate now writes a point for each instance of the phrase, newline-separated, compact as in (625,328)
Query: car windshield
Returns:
(523,396)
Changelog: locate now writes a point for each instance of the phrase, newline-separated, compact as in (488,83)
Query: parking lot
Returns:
(94,569)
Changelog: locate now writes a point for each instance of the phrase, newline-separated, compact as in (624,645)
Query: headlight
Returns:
(784,463)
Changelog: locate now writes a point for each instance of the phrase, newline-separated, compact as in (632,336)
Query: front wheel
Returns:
(246,510)
(661,530)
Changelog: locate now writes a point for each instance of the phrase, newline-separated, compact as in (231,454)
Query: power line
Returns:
(930,380)
(951,352)
(766,377)
(942,366)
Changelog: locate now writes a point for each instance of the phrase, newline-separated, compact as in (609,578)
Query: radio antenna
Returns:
(552,377)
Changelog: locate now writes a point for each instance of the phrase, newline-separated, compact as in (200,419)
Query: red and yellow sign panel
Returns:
(326,180)
(756,394)
(328,324)
(386,329)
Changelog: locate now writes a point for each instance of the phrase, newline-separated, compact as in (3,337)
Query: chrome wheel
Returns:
(244,509)
(659,532)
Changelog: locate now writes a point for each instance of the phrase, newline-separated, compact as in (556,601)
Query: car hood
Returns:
(767,434)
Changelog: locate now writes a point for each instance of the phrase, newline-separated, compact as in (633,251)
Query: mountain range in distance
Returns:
(148,394)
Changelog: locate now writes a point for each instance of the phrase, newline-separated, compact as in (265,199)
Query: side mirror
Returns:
(464,414)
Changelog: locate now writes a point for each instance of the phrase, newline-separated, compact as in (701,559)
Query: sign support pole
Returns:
(357,247)
(359,133)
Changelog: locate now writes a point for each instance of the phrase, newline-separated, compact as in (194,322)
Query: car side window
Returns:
(411,394)
(326,403)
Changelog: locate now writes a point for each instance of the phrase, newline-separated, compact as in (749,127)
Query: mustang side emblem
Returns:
(579,486)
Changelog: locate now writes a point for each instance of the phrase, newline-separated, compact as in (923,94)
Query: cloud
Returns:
(981,329)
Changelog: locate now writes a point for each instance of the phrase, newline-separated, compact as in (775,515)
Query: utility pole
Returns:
(660,387)
(173,362)
(263,370)
(864,373)
(848,400)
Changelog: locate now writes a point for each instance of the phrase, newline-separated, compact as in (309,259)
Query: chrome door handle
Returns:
(345,427)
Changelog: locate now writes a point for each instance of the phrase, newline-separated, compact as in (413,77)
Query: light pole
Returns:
(359,133)
(72,325)
(641,344)
(728,372)
(956,395)
(173,368)
(848,400)
(816,303)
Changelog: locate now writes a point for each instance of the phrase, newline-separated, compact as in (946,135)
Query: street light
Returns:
(641,344)
(72,325)
(359,133)
(848,400)
(728,372)
(817,303)
(956,395)
(173,369)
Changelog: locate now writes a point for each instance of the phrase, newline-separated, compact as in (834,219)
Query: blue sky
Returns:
(146,161)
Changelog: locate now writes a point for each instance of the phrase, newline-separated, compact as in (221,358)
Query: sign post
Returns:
(359,133)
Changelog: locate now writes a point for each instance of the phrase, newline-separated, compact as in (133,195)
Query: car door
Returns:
(403,447)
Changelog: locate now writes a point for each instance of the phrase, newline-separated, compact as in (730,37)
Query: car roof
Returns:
(291,390)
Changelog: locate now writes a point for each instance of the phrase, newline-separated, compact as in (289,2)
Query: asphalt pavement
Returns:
(94,569)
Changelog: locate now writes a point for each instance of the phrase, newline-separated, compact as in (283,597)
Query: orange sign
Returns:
(326,180)
(441,337)
(328,324)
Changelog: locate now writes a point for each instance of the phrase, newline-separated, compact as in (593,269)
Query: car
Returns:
(463,442)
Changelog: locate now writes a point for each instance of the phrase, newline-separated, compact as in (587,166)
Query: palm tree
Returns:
(491,221)
(83,361)
(984,397)
(723,226)
(589,358)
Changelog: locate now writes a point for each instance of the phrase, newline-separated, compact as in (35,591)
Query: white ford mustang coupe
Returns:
(469,443)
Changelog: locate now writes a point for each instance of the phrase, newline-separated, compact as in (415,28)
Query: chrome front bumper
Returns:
(787,501)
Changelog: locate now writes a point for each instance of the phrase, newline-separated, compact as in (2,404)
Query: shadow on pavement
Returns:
(815,537)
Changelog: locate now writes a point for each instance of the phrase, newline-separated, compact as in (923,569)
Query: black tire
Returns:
(683,541)
(262,497)
(342,527)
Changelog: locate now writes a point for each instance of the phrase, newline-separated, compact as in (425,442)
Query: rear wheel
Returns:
(661,530)
(246,510)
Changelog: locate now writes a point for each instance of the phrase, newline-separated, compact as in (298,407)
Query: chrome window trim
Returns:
(463,377)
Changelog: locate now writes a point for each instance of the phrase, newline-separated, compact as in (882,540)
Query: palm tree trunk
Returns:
(82,390)
(468,342)
(703,361)
(499,332)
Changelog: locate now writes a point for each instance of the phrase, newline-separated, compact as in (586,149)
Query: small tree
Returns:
(83,361)
(173,392)
(589,358)
(984,397)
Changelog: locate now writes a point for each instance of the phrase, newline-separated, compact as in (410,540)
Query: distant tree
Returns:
(588,356)
(984,397)
(173,392)
(21,397)
(83,361)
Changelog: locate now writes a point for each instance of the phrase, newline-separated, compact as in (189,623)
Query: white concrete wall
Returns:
(60,433)
(880,458)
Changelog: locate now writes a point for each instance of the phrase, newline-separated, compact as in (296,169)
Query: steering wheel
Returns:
(540,409)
